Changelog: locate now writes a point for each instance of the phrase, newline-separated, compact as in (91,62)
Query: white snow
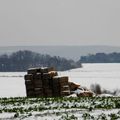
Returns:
(106,95)
(78,91)
(105,74)
(12,84)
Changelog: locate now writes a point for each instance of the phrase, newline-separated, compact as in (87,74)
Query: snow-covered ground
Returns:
(12,84)
(107,75)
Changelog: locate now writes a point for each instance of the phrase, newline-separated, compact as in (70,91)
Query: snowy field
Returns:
(82,108)
(107,75)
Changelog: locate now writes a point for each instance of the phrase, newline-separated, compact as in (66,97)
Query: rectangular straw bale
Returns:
(46,76)
(28,82)
(65,88)
(62,79)
(56,94)
(38,86)
(56,91)
(28,77)
(30,93)
(38,91)
(46,82)
(37,76)
(46,89)
(65,93)
(48,93)
(53,73)
(55,80)
(63,84)
(32,70)
(39,94)
(40,70)
(73,86)
(55,85)
(47,69)
(38,82)
(29,87)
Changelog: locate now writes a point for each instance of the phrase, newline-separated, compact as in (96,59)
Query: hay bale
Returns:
(29,85)
(28,77)
(46,76)
(85,94)
(56,91)
(37,76)
(48,92)
(46,83)
(40,70)
(46,80)
(56,94)
(65,93)
(38,82)
(60,80)
(38,86)
(38,92)
(47,69)
(28,82)
(53,73)
(33,70)
(65,88)
(49,75)
(38,89)
(73,86)
(30,93)
(58,83)
(63,84)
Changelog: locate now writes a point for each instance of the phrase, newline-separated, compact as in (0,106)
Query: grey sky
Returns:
(59,22)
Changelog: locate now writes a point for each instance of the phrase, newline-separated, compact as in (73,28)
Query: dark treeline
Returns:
(101,58)
(22,60)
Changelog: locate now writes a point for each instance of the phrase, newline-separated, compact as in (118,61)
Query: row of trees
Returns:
(101,58)
(22,60)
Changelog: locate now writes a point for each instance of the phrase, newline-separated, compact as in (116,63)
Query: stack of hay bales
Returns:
(61,86)
(33,82)
(44,82)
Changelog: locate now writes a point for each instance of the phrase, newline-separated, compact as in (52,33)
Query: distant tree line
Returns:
(101,58)
(22,60)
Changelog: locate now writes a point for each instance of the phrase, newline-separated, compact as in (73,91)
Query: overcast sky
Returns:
(59,22)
